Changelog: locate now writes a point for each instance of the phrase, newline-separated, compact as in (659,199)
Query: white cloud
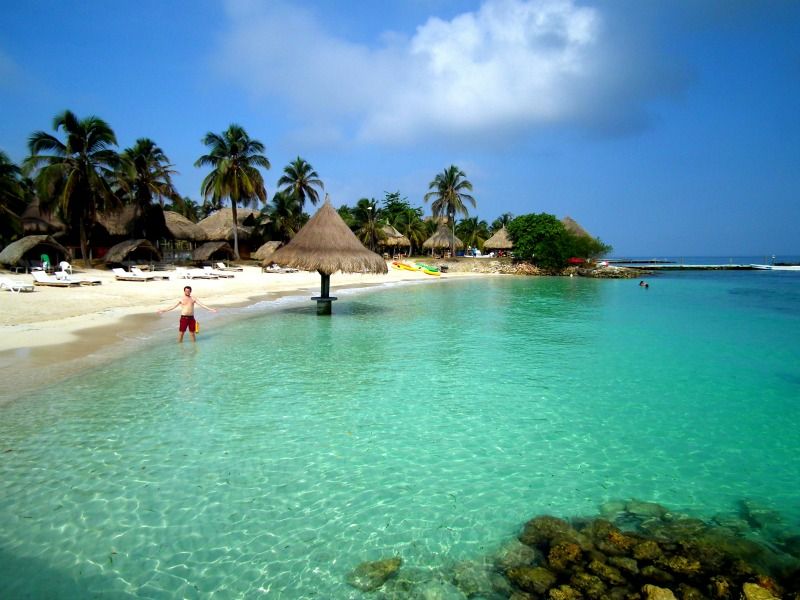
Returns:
(510,65)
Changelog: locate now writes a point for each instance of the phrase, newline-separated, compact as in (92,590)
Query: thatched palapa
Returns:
(325,244)
(182,228)
(31,247)
(574,228)
(499,241)
(265,252)
(131,250)
(36,220)
(219,226)
(443,238)
(211,250)
(394,238)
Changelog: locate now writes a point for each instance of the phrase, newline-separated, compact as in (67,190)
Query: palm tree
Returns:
(501,222)
(367,215)
(75,174)
(448,194)
(299,179)
(235,159)
(409,222)
(12,197)
(473,232)
(145,173)
(286,216)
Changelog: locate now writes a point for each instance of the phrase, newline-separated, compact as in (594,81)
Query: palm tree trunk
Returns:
(84,245)
(235,230)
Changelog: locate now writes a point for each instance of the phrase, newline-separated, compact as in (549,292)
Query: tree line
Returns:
(77,172)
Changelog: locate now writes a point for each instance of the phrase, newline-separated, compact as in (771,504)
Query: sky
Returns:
(665,128)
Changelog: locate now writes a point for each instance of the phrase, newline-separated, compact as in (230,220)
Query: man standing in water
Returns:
(186,302)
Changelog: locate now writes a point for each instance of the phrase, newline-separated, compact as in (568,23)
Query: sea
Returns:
(427,421)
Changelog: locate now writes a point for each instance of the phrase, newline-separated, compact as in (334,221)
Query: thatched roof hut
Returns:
(212,250)
(35,220)
(128,222)
(131,250)
(264,253)
(181,228)
(326,244)
(499,241)
(443,238)
(394,238)
(31,247)
(574,228)
(219,225)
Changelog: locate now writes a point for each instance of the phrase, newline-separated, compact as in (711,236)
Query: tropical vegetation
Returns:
(75,173)
(235,159)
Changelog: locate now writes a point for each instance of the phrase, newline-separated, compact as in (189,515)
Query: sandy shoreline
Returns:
(52,332)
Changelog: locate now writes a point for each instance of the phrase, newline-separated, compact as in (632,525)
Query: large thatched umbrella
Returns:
(574,228)
(443,238)
(265,252)
(131,249)
(499,241)
(182,228)
(33,246)
(212,249)
(325,244)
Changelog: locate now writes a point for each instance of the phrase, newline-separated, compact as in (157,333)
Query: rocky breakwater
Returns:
(633,551)
(508,267)
(665,559)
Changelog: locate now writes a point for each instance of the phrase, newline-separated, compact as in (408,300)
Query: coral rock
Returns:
(369,576)
(564,592)
(562,554)
(532,579)
(753,591)
(653,592)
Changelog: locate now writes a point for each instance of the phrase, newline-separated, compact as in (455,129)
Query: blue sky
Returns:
(663,127)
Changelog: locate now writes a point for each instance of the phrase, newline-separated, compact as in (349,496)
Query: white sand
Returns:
(50,316)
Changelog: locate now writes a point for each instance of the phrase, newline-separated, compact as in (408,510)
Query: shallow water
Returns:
(425,421)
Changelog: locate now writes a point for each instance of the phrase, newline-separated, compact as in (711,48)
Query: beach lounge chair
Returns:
(185,273)
(221,267)
(42,278)
(14,286)
(123,275)
(149,275)
(222,274)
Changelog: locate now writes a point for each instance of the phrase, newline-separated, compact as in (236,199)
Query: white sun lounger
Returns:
(42,278)
(185,273)
(150,275)
(221,267)
(222,274)
(14,286)
(123,275)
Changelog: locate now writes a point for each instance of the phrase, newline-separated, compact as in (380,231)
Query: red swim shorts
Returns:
(186,322)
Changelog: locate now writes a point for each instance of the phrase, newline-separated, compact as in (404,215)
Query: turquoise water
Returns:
(425,421)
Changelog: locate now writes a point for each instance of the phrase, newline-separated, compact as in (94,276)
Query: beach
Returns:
(53,330)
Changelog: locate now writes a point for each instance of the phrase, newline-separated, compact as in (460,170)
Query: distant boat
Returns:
(777,267)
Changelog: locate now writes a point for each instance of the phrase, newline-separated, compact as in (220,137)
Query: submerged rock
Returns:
(369,576)
(753,591)
(532,579)
(652,592)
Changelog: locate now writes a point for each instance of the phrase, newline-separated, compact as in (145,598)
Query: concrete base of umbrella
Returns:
(324,300)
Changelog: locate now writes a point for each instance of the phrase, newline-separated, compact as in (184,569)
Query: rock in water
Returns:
(369,576)
(653,592)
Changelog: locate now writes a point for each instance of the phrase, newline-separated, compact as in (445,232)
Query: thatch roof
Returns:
(499,241)
(118,222)
(182,228)
(36,220)
(131,249)
(209,249)
(443,238)
(327,245)
(394,238)
(264,253)
(33,246)
(574,228)
(219,226)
